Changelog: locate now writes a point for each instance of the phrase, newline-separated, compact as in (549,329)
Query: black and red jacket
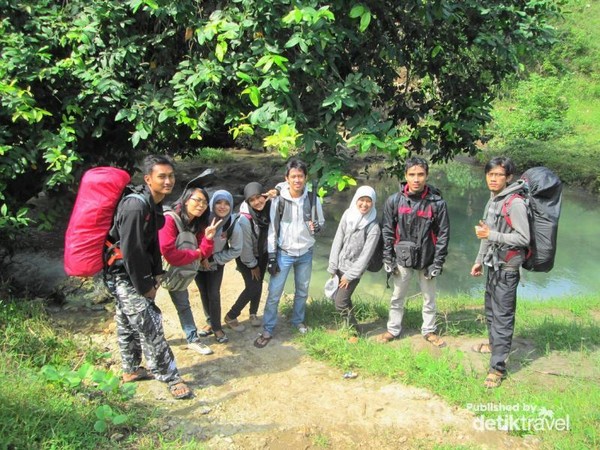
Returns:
(420,218)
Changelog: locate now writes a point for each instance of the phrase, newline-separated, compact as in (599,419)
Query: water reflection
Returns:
(577,264)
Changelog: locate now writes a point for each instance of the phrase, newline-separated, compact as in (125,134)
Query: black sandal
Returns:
(262,340)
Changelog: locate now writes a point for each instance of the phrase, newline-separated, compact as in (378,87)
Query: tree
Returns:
(99,81)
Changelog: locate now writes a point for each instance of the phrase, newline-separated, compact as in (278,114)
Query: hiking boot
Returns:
(199,347)
(255,321)
(234,324)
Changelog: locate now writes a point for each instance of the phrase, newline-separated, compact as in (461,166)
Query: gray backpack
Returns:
(178,278)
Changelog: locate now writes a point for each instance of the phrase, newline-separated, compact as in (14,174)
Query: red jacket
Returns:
(167,236)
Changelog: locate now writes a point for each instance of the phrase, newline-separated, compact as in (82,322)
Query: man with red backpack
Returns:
(503,249)
(134,266)
(416,232)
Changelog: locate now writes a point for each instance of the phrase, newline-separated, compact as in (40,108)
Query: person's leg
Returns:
(246,295)
(429,306)
(257,285)
(302,274)
(203,284)
(181,301)
(401,285)
(215,279)
(343,301)
(128,339)
(490,283)
(145,320)
(276,286)
(504,306)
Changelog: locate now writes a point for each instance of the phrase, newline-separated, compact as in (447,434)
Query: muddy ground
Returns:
(271,398)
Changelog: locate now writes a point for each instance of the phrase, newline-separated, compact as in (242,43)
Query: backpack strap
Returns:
(176,219)
(229,230)
(507,203)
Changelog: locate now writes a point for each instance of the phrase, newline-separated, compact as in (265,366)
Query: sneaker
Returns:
(255,321)
(234,324)
(199,347)
(302,329)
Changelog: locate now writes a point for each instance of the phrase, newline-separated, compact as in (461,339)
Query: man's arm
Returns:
(388,229)
(443,234)
(137,261)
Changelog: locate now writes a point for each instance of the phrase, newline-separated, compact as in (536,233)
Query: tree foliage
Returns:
(99,81)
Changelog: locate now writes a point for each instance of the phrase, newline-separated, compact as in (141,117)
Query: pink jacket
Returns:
(167,236)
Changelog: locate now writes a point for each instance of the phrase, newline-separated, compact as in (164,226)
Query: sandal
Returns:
(180,391)
(234,324)
(139,375)
(482,348)
(205,331)
(386,337)
(222,338)
(494,379)
(262,340)
(434,339)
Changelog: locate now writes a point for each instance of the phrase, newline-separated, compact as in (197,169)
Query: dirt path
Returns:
(279,398)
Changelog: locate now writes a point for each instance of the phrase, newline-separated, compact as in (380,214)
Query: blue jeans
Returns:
(302,271)
(181,300)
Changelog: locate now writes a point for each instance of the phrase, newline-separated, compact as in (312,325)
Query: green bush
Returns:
(535,109)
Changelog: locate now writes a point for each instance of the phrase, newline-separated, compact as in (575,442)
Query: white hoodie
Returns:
(294,237)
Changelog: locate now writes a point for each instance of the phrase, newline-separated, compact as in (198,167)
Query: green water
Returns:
(577,265)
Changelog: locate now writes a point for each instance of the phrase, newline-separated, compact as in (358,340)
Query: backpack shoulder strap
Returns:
(507,203)
(230,228)
(176,219)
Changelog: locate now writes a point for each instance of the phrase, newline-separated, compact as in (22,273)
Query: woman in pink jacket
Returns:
(192,208)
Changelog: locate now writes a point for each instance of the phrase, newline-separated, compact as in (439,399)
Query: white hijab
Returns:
(354,219)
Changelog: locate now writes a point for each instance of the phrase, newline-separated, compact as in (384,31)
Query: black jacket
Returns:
(135,229)
(423,219)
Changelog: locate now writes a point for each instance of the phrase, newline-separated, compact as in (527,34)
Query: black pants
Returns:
(343,301)
(500,307)
(209,285)
(252,288)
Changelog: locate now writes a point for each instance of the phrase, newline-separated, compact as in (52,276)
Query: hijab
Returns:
(260,218)
(354,219)
(221,194)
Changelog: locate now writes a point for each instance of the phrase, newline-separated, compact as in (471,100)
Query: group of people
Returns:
(274,232)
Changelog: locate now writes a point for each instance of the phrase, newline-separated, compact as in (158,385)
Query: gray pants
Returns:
(398,300)
(500,306)
(139,329)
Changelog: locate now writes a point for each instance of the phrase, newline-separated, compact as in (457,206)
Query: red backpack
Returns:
(99,193)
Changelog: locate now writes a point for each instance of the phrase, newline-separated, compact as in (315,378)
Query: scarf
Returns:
(354,219)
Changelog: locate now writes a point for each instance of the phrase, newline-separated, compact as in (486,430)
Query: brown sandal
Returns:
(482,348)
(386,337)
(493,379)
(139,375)
(180,391)
(435,340)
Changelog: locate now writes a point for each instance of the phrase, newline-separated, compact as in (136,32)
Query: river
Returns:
(577,265)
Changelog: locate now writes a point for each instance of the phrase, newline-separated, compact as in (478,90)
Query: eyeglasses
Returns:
(495,175)
(200,201)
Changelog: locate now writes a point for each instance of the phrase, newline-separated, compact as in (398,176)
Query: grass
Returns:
(575,62)
(565,331)
(36,412)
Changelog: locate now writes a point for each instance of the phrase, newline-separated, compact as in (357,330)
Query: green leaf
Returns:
(100,426)
(220,50)
(119,419)
(365,20)
(357,11)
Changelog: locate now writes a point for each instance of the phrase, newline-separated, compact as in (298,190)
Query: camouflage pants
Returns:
(139,329)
